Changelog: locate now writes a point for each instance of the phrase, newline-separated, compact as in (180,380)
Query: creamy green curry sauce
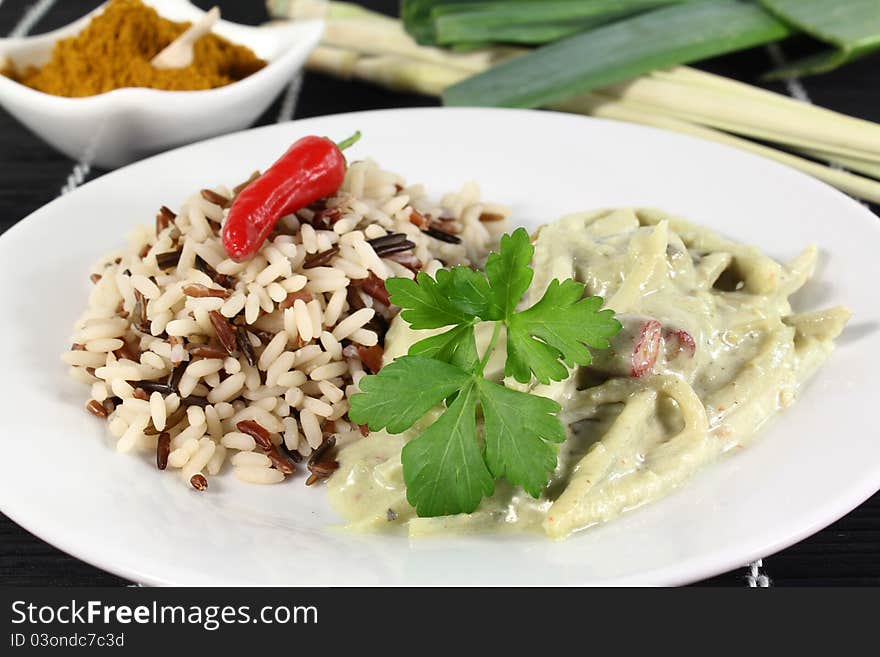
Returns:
(709,351)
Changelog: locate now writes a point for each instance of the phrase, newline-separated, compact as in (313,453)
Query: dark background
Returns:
(846,553)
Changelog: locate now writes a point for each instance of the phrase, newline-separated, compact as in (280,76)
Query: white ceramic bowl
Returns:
(124,125)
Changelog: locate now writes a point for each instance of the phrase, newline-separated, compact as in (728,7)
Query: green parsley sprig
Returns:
(448,468)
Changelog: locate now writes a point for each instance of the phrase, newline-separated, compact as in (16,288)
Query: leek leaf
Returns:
(530,22)
(852,27)
(416,17)
(612,53)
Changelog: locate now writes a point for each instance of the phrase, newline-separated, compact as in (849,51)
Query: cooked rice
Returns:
(166,311)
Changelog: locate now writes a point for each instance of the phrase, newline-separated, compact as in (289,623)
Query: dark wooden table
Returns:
(846,553)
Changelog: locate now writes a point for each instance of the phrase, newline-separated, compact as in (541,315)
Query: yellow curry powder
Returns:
(115,49)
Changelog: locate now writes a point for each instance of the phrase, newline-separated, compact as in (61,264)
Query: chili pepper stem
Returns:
(351,141)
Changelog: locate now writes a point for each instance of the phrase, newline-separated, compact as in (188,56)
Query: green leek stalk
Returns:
(620,51)
(535,22)
(430,71)
(852,27)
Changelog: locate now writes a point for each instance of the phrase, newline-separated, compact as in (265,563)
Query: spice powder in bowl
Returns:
(115,49)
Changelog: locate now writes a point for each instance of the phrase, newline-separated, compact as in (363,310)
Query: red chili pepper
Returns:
(679,342)
(311,169)
(646,350)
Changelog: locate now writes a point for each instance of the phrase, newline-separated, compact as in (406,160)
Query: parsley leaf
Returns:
(520,429)
(557,328)
(456,346)
(456,296)
(509,273)
(404,391)
(443,467)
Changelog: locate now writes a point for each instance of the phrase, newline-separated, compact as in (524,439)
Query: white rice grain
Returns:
(272,351)
(178,458)
(291,433)
(216,461)
(251,459)
(228,388)
(259,475)
(198,460)
(238,440)
(158,411)
(311,428)
(303,320)
(328,371)
(352,323)
(103,345)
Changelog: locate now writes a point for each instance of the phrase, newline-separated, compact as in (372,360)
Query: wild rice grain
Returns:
(375,287)
(163,449)
(255,431)
(319,259)
(198,290)
(280,461)
(96,408)
(213,197)
(442,235)
(243,341)
(224,330)
(198,481)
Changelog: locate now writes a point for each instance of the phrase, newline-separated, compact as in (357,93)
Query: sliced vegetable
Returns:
(620,51)
(852,27)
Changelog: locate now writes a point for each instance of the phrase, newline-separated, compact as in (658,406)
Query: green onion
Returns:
(620,51)
(851,26)
(531,22)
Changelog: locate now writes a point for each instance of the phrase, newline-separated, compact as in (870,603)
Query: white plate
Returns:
(60,479)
